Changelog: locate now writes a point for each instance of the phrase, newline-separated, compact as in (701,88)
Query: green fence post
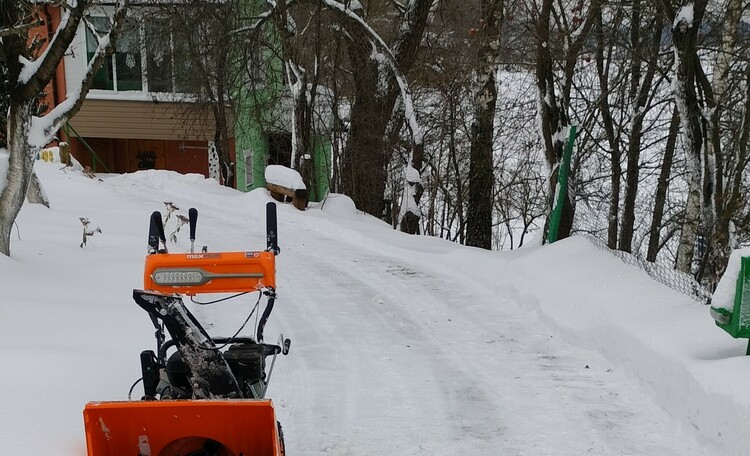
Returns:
(562,187)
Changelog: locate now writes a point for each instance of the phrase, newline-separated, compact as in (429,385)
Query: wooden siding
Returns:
(130,155)
(143,120)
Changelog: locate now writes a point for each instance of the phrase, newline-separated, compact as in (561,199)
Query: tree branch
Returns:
(20,28)
(54,120)
(45,66)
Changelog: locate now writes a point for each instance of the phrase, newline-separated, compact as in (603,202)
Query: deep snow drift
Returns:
(401,345)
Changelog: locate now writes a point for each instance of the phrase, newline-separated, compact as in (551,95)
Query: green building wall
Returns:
(251,141)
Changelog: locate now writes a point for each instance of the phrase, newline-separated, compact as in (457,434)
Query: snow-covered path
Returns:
(395,350)
(396,357)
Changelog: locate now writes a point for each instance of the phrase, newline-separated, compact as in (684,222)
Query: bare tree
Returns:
(686,21)
(725,155)
(660,199)
(604,52)
(208,63)
(27,77)
(645,43)
(376,91)
(302,85)
(479,211)
(571,28)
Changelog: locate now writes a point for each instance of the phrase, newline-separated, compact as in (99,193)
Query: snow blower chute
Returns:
(206,398)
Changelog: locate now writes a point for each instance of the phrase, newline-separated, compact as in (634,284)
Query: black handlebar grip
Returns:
(153,232)
(193,218)
(158,225)
(272,236)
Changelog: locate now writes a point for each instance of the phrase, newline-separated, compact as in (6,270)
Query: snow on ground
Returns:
(401,345)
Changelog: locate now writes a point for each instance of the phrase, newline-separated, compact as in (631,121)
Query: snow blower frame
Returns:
(208,397)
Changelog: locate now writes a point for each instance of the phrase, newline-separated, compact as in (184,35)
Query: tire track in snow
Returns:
(364,400)
(499,379)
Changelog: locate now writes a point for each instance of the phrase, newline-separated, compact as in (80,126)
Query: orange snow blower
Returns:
(208,397)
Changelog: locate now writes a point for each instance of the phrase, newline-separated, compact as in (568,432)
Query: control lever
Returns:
(193,219)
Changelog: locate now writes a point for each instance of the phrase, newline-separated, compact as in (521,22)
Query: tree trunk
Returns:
(684,36)
(553,113)
(363,173)
(366,154)
(221,140)
(413,189)
(640,91)
(20,168)
(613,139)
(454,164)
(632,170)
(481,167)
(551,118)
(718,207)
(654,240)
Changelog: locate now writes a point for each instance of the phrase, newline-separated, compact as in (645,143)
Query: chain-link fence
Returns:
(676,280)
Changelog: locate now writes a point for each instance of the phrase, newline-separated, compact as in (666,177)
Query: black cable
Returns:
(192,299)
(133,387)
(231,339)
(266,314)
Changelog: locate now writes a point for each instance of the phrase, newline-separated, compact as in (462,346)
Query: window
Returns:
(147,58)
(185,78)
(159,56)
(121,72)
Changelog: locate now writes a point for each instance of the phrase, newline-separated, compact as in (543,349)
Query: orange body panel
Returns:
(224,272)
(168,428)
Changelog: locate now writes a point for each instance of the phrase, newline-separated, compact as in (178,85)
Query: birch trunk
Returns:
(684,36)
(718,207)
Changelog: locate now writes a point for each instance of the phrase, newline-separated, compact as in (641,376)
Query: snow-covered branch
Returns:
(35,74)
(45,127)
(416,131)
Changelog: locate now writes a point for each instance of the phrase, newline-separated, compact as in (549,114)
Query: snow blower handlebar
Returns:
(156,234)
(211,272)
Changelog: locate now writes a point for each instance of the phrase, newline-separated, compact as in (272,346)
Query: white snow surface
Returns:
(412,175)
(402,345)
(685,14)
(284,176)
